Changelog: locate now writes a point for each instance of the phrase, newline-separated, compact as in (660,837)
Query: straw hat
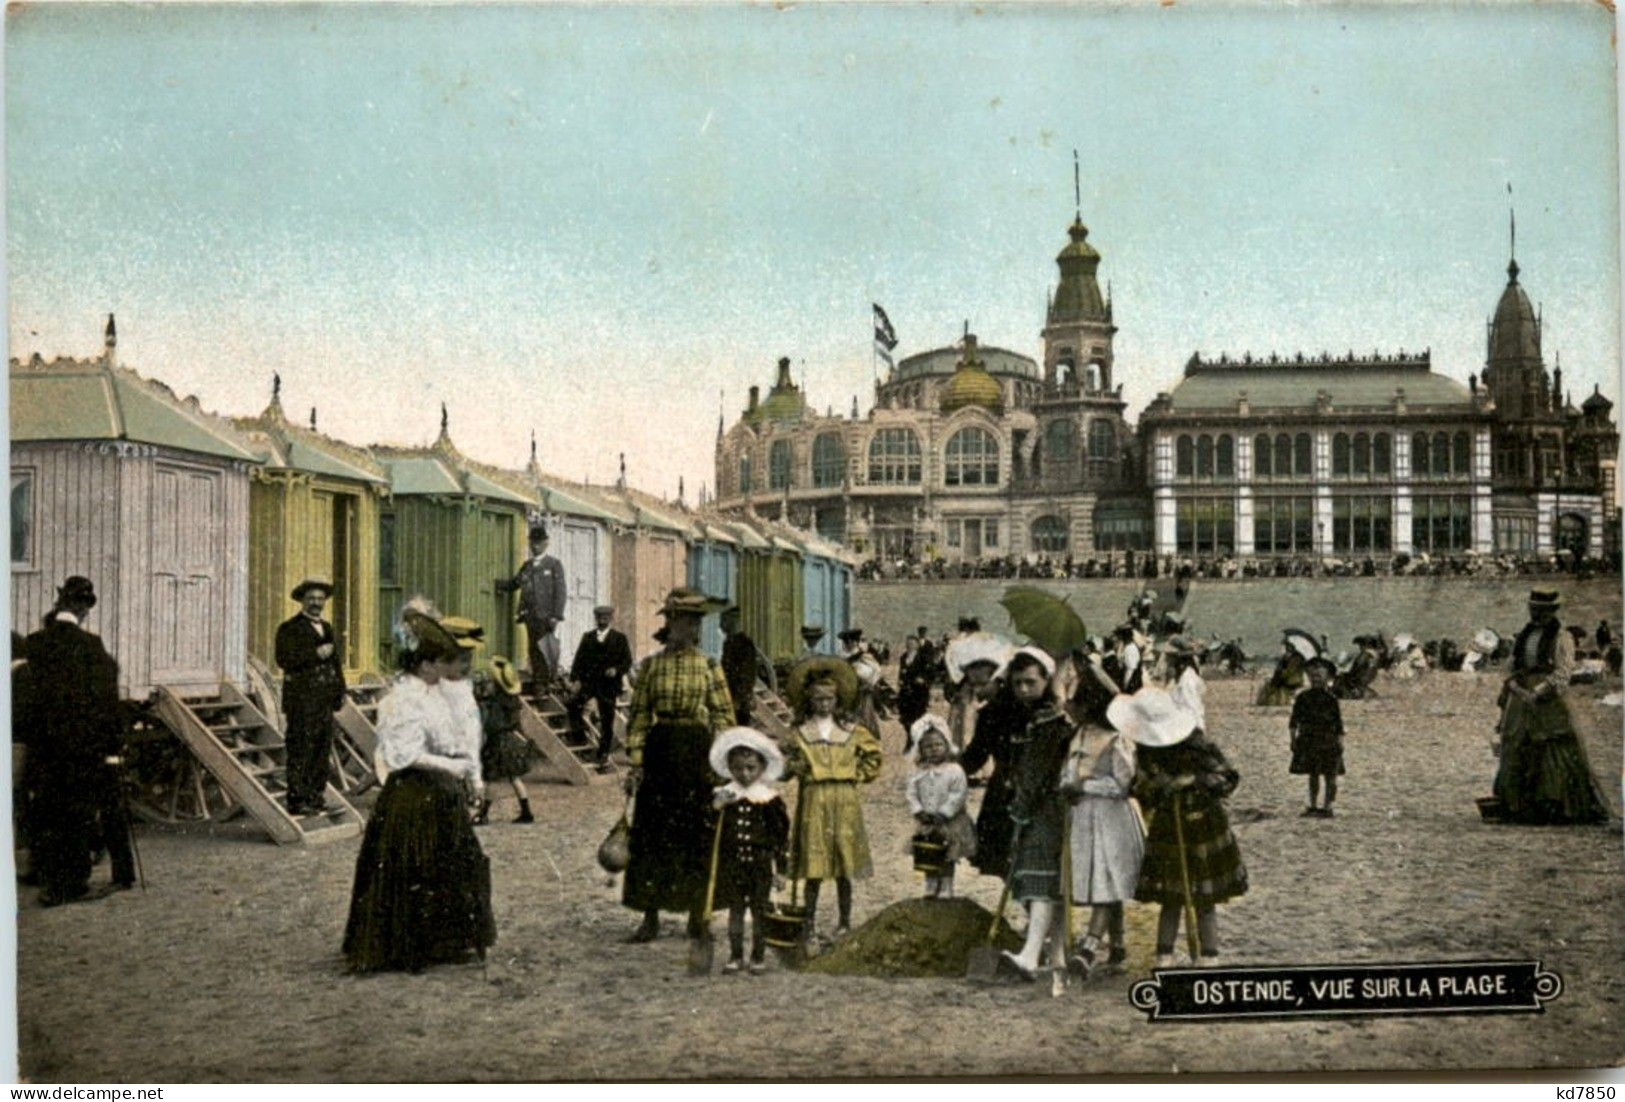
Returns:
(1545,598)
(753,739)
(467,632)
(822,668)
(310,582)
(1150,717)
(686,601)
(428,636)
(505,676)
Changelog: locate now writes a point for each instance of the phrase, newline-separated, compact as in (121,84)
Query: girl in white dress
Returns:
(937,789)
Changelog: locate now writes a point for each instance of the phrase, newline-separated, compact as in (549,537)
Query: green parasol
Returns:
(1045,619)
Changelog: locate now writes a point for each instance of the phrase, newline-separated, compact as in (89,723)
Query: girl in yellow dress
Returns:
(829,756)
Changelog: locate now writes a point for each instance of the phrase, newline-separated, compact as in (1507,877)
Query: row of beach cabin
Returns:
(195,528)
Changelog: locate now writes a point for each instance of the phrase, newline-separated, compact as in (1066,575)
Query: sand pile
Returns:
(915,939)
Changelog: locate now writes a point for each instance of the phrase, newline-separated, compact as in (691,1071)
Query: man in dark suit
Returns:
(742,664)
(73,735)
(540,582)
(603,658)
(307,649)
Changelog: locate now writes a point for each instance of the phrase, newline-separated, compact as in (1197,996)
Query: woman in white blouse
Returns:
(422,891)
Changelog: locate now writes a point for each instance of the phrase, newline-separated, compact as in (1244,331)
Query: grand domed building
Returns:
(972,451)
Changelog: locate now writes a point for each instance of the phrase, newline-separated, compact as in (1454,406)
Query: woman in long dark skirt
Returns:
(422,891)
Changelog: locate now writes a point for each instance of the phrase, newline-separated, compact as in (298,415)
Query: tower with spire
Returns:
(1078,327)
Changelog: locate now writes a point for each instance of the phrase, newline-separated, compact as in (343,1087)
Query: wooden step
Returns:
(254,785)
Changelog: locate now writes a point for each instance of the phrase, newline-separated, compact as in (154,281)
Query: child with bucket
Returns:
(936,791)
(1192,862)
(829,756)
(752,838)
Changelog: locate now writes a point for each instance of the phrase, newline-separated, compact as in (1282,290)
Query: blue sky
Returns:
(589,221)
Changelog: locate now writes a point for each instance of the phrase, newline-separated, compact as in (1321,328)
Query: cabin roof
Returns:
(286,446)
(68,399)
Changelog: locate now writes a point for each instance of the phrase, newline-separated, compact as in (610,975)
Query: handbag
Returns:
(615,851)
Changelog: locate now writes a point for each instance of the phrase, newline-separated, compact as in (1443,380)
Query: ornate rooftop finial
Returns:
(445,421)
(680,489)
(276,387)
(312,418)
(533,447)
(110,341)
(1077,189)
(620,482)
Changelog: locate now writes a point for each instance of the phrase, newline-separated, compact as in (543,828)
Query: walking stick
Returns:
(1059,968)
(1185,881)
(129,821)
(701,950)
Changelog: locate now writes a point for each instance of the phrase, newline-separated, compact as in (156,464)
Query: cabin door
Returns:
(579,556)
(331,549)
(494,558)
(188,590)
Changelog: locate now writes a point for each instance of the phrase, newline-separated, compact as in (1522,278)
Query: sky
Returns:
(603,224)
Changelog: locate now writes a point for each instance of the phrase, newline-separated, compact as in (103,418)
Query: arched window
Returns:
(1224,457)
(778,465)
(894,458)
(1382,454)
(1049,534)
(1441,453)
(1283,455)
(1261,456)
(972,458)
(1102,440)
(1461,454)
(1060,440)
(1303,455)
(1183,461)
(744,474)
(1340,453)
(1362,454)
(1419,454)
(828,460)
(1204,456)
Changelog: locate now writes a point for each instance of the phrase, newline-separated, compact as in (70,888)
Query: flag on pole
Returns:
(885,335)
(886,356)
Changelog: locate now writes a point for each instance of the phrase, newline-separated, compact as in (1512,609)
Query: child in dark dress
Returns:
(1317,737)
(753,846)
(1182,783)
(505,753)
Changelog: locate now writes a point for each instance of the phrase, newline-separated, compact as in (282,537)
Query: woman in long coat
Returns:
(1544,776)
(422,892)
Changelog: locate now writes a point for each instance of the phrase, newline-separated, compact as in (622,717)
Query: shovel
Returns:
(1185,881)
(982,966)
(702,949)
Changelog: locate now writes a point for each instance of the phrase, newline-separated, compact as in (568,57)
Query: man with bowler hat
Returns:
(540,583)
(307,649)
(603,659)
(74,735)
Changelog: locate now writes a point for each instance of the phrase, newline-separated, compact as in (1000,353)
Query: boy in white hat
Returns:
(753,848)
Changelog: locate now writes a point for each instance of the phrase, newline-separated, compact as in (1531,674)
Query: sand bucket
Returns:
(930,854)
(1490,809)
(782,925)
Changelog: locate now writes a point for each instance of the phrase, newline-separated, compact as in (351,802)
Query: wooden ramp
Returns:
(247,756)
(771,715)
(355,742)
(544,720)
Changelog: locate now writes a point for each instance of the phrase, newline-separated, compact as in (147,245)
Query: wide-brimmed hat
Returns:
(823,667)
(1150,717)
(505,676)
(850,635)
(468,633)
(812,631)
(689,602)
(77,590)
(310,582)
(979,647)
(428,637)
(1545,598)
(749,737)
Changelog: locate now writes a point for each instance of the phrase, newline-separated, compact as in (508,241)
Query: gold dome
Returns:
(971,384)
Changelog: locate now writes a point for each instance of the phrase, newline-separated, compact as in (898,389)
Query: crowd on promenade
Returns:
(1144,564)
